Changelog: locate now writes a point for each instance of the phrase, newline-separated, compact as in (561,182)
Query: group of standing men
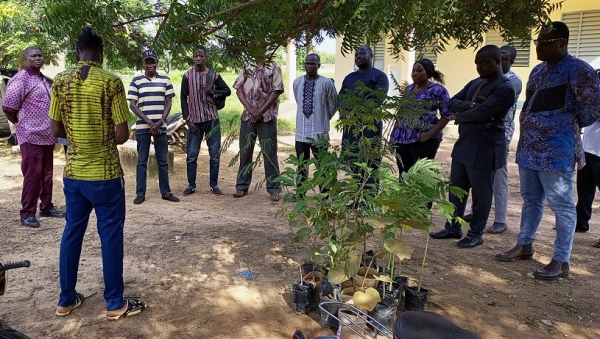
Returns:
(563,95)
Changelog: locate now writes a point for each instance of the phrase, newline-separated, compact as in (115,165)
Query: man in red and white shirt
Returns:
(26,104)
(259,86)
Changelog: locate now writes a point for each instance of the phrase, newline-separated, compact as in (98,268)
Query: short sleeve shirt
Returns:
(150,95)
(90,109)
(29,94)
(258,83)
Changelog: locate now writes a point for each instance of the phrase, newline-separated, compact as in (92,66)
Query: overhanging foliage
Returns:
(238,29)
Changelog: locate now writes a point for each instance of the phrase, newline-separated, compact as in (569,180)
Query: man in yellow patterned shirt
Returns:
(89,109)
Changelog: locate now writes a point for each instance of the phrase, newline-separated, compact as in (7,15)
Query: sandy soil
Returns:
(183,258)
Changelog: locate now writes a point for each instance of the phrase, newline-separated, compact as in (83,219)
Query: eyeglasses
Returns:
(546,42)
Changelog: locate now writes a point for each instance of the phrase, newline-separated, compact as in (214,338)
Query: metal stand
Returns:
(357,321)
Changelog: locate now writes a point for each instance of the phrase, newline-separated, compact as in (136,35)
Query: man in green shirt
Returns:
(89,109)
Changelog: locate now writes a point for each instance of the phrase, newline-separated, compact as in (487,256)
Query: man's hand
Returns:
(255,115)
(208,89)
(424,136)
(454,116)
(155,128)
(191,126)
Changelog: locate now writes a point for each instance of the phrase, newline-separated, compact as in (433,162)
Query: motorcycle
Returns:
(176,131)
(7,332)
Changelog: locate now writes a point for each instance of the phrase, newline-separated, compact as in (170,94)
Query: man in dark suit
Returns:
(479,110)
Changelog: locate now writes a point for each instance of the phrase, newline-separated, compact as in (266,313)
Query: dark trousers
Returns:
(161,150)
(211,130)
(303,150)
(107,199)
(37,163)
(373,160)
(267,136)
(408,154)
(588,178)
(480,182)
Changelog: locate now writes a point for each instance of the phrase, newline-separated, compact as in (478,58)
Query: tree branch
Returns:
(120,24)
(214,15)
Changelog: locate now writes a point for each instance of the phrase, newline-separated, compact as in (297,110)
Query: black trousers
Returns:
(408,154)
(303,150)
(267,136)
(588,178)
(480,182)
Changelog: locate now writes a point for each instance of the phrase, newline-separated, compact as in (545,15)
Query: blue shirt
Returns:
(373,79)
(560,99)
(150,95)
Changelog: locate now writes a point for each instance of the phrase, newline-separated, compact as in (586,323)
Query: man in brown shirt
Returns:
(258,87)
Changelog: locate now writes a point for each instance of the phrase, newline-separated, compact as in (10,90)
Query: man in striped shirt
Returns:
(199,89)
(150,98)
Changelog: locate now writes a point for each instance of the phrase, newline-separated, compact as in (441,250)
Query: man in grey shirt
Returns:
(315,97)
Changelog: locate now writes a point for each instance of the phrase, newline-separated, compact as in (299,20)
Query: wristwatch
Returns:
(164,121)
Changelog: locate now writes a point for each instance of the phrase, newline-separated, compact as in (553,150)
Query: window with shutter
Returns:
(379,55)
(428,54)
(584,30)
(523,47)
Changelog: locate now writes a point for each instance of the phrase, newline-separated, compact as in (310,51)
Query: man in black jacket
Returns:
(479,110)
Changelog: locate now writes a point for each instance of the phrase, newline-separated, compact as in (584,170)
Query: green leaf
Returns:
(384,278)
(399,248)
(352,263)
(414,224)
(382,222)
(366,300)
(302,234)
(337,275)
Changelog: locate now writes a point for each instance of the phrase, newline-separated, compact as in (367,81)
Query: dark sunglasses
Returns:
(546,42)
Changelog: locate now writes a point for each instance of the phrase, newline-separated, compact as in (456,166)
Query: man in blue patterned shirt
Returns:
(562,96)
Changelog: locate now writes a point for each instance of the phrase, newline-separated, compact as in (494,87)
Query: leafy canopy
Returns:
(20,27)
(236,30)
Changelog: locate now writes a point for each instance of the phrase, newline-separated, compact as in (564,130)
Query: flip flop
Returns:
(78,302)
(596,244)
(134,306)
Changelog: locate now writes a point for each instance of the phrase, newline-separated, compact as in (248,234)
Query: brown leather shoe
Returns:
(239,194)
(519,252)
(554,270)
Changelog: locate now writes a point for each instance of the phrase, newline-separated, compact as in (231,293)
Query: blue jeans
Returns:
(161,151)
(107,198)
(558,188)
(212,131)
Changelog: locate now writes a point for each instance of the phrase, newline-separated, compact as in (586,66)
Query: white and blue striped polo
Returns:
(150,95)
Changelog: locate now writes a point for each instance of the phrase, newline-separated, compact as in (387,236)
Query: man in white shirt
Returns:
(315,97)
(588,178)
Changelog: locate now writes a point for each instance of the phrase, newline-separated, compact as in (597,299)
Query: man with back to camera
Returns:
(89,108)
(150,98)
(480,150)
(562,97)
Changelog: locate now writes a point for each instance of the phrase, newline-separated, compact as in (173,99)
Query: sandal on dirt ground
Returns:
(596,244)
(134,306)
(78,302)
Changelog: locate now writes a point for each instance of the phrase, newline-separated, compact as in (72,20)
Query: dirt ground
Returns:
(182,258)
